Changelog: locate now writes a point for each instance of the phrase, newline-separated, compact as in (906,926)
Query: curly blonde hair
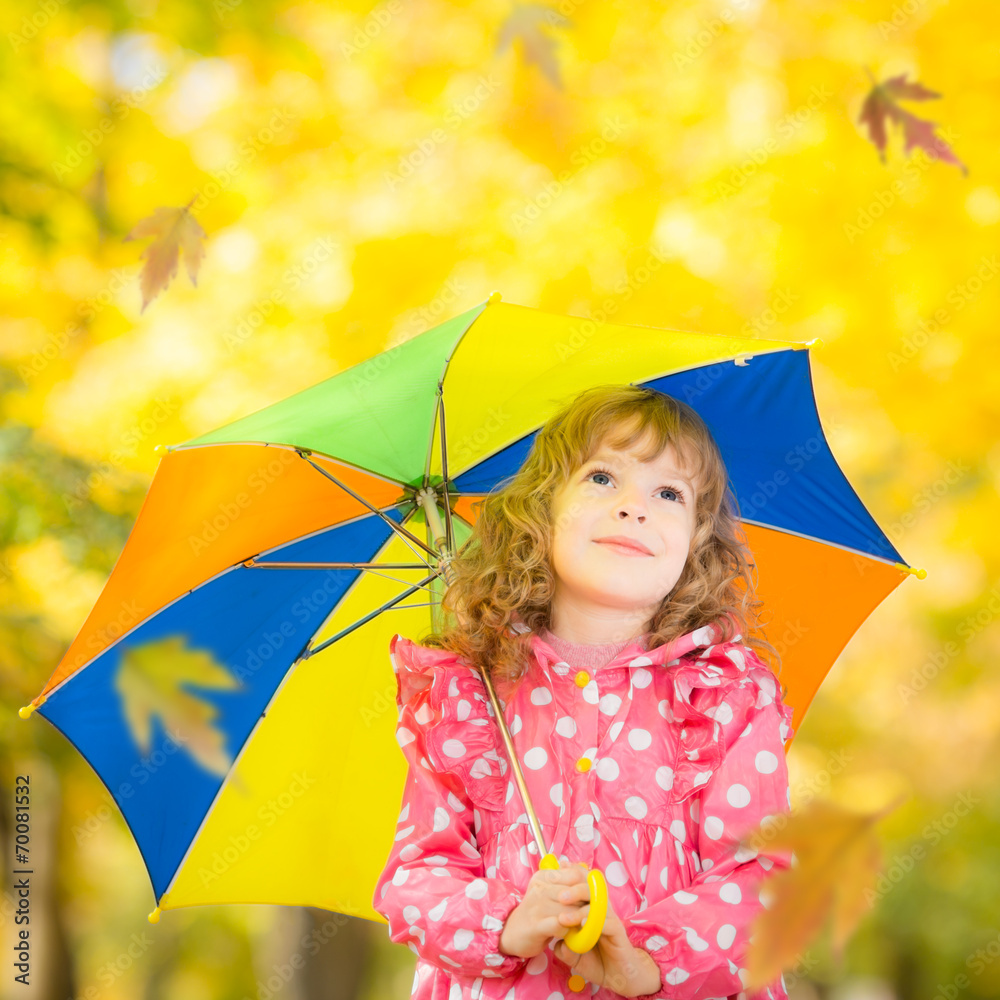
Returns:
(503,581)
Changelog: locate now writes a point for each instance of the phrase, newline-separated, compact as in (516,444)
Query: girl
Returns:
(607,588)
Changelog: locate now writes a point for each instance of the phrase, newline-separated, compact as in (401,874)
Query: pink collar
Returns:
(635,654)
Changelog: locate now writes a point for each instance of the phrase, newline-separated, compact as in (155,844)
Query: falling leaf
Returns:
(523,22)
(837,857)
(174,229)
(149,681)
(880,104)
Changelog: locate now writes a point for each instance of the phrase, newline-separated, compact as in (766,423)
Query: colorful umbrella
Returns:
(232,686)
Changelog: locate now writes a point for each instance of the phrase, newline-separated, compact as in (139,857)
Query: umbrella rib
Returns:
(385,576)
(403,533)
(824,541)
(313,650)
(449,530)
(253,564)
(399,529)
(440,385)
(370,567)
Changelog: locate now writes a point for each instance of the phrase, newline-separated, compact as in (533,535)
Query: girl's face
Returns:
(603,589)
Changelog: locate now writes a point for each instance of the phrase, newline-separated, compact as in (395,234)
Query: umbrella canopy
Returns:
(232,686)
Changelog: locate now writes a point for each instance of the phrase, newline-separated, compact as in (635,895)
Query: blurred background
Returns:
(363,173)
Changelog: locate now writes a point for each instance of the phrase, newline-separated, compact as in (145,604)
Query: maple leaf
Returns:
(174,229)
(838,859)
(149,681)
(880,104)
(539,48)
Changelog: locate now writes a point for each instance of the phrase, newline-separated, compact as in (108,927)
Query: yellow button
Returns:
(583,764)
(582,678)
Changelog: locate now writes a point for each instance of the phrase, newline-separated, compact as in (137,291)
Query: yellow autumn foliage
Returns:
(362,173)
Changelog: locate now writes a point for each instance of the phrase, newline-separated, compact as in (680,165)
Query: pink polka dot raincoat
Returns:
(648,768)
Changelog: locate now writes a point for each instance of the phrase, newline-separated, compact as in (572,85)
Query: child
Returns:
(650,734)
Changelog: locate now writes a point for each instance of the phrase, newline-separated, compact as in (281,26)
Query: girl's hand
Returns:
(614,961)
(543,914)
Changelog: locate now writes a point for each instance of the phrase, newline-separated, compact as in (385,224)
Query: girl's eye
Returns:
(670,489)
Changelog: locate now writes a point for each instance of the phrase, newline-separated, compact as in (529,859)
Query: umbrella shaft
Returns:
(536,828)
(429,503)
(428,500)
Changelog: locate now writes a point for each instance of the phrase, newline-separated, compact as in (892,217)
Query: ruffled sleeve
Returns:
(433,891)
(733,756)
(711,694)
(445,699)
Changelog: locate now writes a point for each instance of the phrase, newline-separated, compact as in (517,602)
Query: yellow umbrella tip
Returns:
(26,710)
(494,297)
(920,574)
(154,917)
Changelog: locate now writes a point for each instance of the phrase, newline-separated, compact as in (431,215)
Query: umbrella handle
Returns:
(581,939)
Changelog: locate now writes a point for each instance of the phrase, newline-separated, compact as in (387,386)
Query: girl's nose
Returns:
(630,504)
(624,512)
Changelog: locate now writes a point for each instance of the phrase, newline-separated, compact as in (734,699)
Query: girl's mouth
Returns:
(624,550)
